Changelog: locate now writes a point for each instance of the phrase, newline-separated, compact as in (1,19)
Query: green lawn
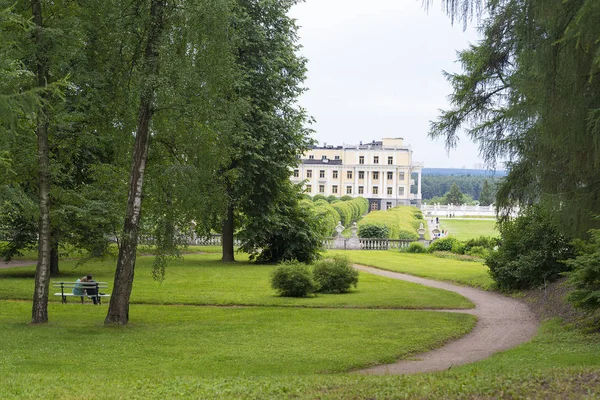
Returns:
(467,229)
(424,265)
(200,279)
(269,352)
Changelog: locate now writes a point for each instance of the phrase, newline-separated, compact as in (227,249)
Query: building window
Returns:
(361,174)
(298,156)
(308,188)
(348,189)
(309,173)
(323,157)
(375,190)
(401,176)
(390,160)
(388,205)
(335,174)
(375,175)
(374,206)
(361,159)
(321,188)
(361,190)
(349,174)
(401,191)
(376,160)
(337,157)
(322,173)
(296,173)
(389,191)
(390,176)
(334,189)
(311,157)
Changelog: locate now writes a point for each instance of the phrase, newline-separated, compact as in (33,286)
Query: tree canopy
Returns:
(530,93)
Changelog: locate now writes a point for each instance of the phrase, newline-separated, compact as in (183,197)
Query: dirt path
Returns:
(13,263)
(502,323)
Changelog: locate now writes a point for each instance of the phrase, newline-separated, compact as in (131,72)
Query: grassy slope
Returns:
(424,265)
(467,229)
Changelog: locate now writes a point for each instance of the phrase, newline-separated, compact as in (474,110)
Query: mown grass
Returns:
(425,265)
(559,363)
(467,229)
(174,341)
(200,279)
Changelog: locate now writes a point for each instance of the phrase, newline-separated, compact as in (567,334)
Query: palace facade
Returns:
(380,171)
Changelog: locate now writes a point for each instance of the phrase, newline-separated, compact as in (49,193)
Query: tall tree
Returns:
(530,92)
(271,133)
(486,198)
(454,196)
(118,311)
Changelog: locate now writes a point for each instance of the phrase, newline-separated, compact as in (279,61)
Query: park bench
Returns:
(66,290)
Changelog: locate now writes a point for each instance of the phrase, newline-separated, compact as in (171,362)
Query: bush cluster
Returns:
(335,275)
(293,279)
(531,251)
(416,247)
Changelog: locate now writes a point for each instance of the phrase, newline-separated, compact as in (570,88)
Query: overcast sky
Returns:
(375,70)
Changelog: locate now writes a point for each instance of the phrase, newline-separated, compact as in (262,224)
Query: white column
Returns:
(419,186)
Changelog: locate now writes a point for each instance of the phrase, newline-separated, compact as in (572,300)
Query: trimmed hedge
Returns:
(402,221)
(351,210)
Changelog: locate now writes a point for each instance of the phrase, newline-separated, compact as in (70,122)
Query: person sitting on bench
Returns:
(92,291)
(80,290)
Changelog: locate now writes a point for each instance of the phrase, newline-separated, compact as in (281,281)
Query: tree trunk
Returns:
(54,271)
(39,313)
(118,310)
(227,236)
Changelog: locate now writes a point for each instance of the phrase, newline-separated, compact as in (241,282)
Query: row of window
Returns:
(361,159)
(361,174)
(361,189)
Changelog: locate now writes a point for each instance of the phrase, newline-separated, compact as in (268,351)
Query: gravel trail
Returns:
(502,323)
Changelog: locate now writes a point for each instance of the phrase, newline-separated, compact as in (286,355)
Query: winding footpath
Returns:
(502,323)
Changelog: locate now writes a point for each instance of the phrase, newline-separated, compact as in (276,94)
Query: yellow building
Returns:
(380,171)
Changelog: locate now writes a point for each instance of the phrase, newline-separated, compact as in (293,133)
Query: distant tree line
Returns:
(435,186)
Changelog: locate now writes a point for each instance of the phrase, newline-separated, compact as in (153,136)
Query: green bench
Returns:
(66,290)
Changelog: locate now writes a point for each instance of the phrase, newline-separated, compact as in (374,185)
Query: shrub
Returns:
(331,198)
(415,247)
(374,231)
(487,242)
(458,247)
(335,275)
(293,279)
(319,197)
(443,244)
(478,251)
(530,251)
(585,276)
(346,198)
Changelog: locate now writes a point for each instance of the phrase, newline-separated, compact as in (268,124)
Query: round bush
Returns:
(293,279)
(415,247)
(444,244)
(335,275)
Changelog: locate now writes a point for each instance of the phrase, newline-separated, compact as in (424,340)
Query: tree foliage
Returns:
(530,93)
(530,252)
(454,196)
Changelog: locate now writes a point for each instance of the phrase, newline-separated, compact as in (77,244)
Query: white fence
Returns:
(328,243)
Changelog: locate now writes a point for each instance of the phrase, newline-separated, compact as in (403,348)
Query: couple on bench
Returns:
(86,286)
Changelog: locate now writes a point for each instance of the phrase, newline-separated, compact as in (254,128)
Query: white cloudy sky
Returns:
(375,70)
